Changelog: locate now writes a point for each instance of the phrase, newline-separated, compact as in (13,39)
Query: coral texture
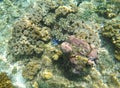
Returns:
(27,38)
(36,37)
(107,10)
(5,82)
(80,54)
(46,74)
(112,31)
(40,25)
(31,70)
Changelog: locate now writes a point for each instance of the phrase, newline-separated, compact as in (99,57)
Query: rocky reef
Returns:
(80,54)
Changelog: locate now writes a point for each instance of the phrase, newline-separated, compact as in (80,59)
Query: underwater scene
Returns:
(59,43)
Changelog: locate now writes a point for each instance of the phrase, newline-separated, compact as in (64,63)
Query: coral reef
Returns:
(9,11)
(35,67)
(80,53)
(44,27)
(108,10)
(31,70)
(71,24)
(63,10)
(27,38)
(112,31)
(106,63)
(46,74)
(40,25)
(5,82)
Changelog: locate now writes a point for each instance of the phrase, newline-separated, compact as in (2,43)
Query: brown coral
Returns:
(64,10)
(30,70)
(28,38)
(5,82)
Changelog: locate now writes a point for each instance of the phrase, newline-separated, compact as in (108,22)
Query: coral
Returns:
(55,57)
(87,31)
(56,54)
(112,30)
(58,82)
(46,61)
(69,22)
(35,85)
(80,54)
(35,16)
(28,38)
(107,10)
(49,19)
(39,25)
(46,74)
(114,80)
(52,52)
(33,35)
(93,53)
(79,64)
(66,47)
(43,84)
(117,54)
(31,70)
(64,10)
(84,46)
(107,62)
(69,26)
(58,35)
(5,82)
